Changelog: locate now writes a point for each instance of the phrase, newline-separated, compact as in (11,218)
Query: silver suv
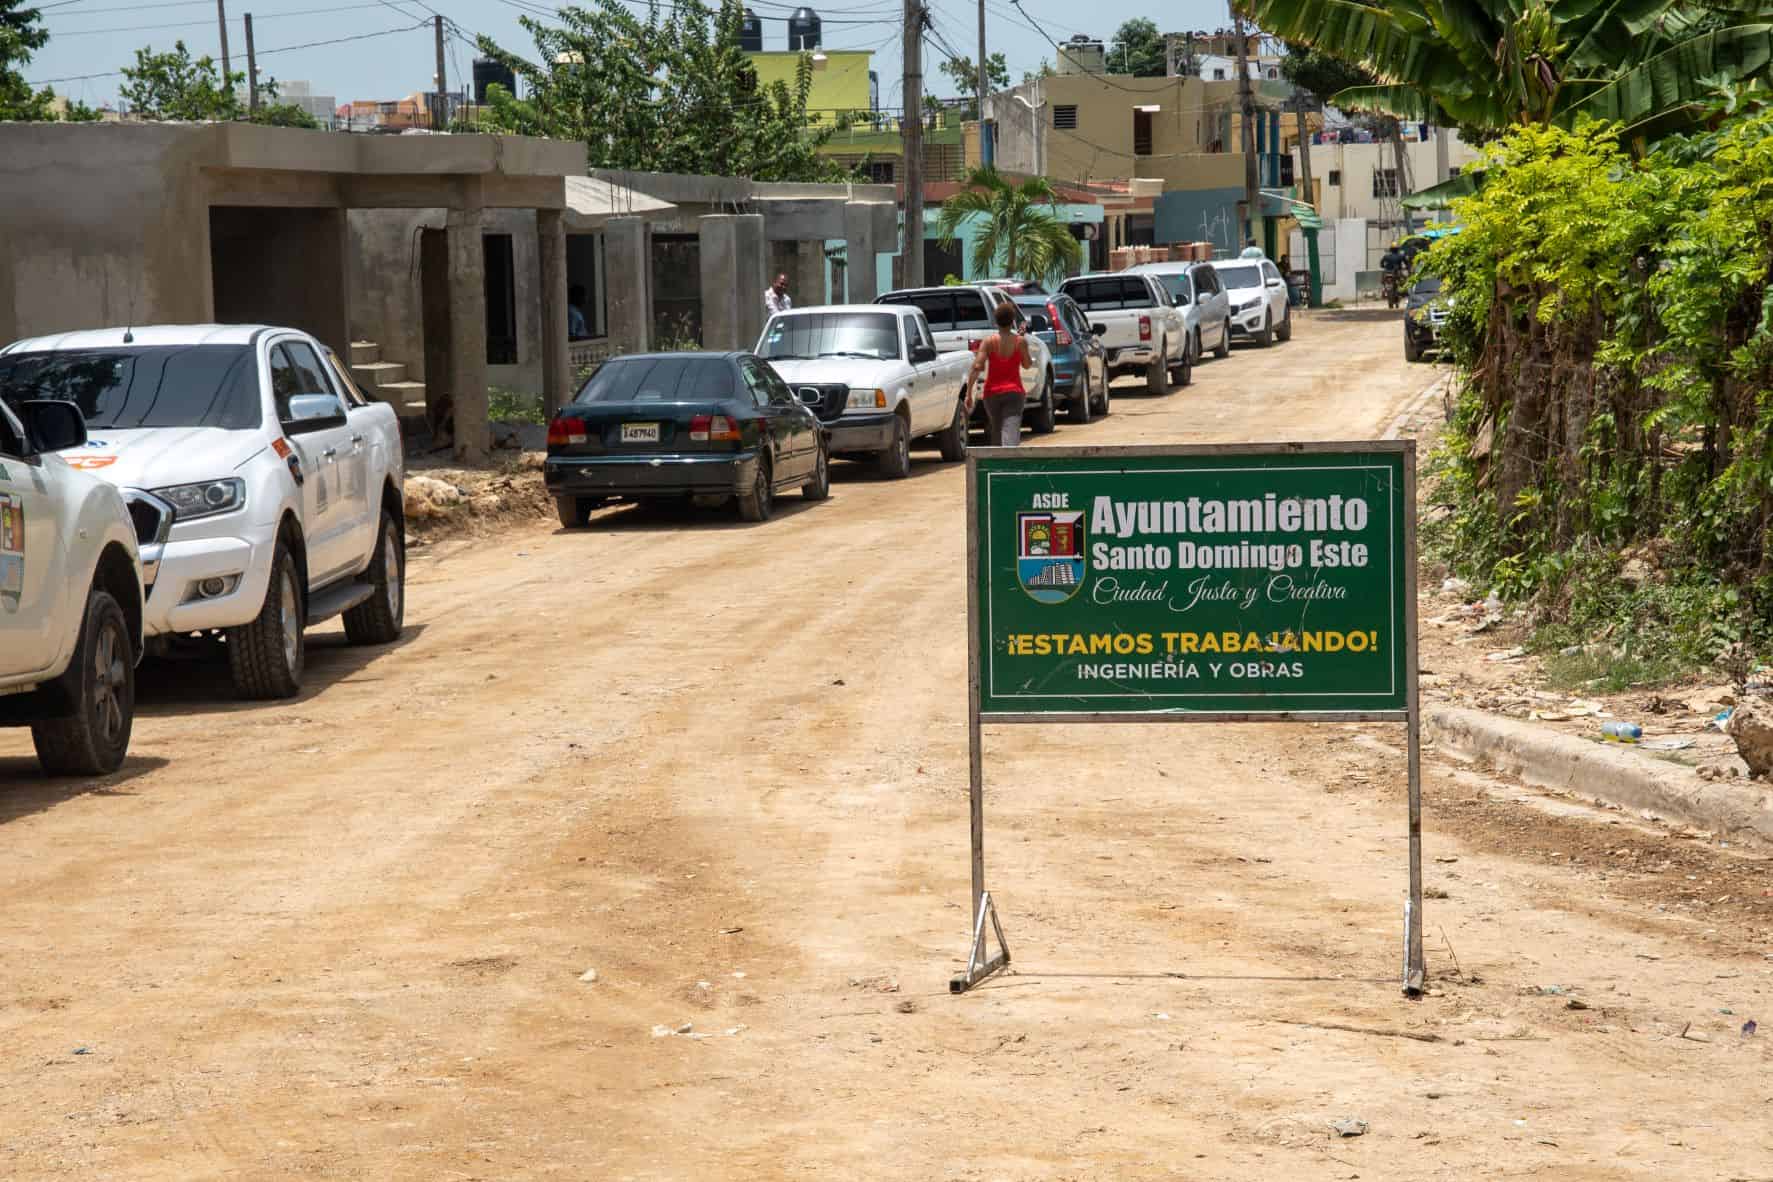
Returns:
(1201,299)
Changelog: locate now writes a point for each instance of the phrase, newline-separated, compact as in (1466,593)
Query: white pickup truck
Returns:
(873,376)
(265,489)
(962,315)
(1139,324)
(70,595)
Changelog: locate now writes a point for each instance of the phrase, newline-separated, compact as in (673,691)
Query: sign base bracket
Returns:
(979,966)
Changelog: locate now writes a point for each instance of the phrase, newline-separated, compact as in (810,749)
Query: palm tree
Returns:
(1019,227)
(1649,64)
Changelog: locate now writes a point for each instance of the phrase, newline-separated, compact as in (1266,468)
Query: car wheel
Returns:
(378,619)
(574,512)
(1223,349)
(819,487)
(895,462)
(1046,414)
(1285,331)
(1412,351)
(1103,407)
(953,439)
(1265,338)
(1183,373)
(1157,374)
(266,656)
(759,501)
(1080,402)
(94,737)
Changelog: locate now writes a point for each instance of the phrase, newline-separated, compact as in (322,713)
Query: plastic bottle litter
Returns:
(1722,718)
(1621,732)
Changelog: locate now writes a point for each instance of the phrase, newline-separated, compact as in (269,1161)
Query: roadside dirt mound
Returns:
(444,502)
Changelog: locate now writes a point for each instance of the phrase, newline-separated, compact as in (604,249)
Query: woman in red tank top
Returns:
(1002,357)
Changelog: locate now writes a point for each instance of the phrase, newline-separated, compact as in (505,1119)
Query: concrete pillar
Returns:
(751,276)
(718,236)
(467,336)
(628,264)
(557,373)
(806,281)
(860,273)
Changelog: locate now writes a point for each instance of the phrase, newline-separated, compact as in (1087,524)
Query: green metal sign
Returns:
(1235,581)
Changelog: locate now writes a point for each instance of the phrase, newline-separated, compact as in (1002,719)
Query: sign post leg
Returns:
(979,964)
(1415,966)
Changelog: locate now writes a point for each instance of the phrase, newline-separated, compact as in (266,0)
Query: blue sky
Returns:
(376,49)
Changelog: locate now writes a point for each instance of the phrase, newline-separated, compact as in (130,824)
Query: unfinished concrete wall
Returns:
(385,272)
(526,260)
(121,237)
(281,266)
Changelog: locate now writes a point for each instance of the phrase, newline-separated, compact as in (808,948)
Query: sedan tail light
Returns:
(1145,328)
(713,429)
(565,432)
(1061,337)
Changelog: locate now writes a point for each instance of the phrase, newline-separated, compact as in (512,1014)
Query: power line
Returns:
(261,53)
(204,24)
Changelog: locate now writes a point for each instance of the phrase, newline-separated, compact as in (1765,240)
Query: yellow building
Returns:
(841,78)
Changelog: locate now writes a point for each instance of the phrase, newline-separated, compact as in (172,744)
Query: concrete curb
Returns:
(1612,775)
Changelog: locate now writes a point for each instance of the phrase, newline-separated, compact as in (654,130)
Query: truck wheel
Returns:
(1081,409)
(1265,338)
(1046,415)
(94,737)
(378,619)
(1223,349)
(1285,331)
(1183,373)
(574,512)
(819,487)
(1412,351)
(1157,374)
(759,501)
(953,439)
(267,655)
(895,462)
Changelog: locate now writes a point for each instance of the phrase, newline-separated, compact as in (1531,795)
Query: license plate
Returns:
(640,432)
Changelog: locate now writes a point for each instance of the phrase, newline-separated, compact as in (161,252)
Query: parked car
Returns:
(1425,313)
(710,426)
(960,317)
(266,491)
(1260,309)
(1201,298)
(1139,324)
(873,376)
(1080,363)
(70,594)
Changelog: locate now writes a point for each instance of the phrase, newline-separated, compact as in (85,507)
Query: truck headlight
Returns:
(204,499)
(861,398)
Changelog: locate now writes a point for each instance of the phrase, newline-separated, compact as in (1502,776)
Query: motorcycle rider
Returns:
(1393,267)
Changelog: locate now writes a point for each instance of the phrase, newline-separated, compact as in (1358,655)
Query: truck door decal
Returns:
(12,552)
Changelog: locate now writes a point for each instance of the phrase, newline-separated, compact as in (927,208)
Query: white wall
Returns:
(1353,197)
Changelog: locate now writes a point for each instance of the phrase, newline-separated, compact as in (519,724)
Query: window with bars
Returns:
(1385,182)
(1065,117)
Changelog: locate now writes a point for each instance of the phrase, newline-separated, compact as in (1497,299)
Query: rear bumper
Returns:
(861,433)
(648,475)
(1132,357)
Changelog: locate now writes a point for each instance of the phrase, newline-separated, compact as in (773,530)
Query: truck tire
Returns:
(1082,410)
(574,512)
(1183,373)
(379,619)
(1412,351)
(895,462)
(94,737)
(1046,416)
(759,501)
(266,657)
(1157,374)
(953,439)
(819,487)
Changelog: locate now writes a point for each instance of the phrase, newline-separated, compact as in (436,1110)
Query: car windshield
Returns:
(1178,286)
(1428,285)
(158,386)
(874,335)
(660,379)
(1245,275)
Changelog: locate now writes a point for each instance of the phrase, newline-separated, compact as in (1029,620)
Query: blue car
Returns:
(1080,364)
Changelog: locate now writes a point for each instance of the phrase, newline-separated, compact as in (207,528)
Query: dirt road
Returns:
(725,767)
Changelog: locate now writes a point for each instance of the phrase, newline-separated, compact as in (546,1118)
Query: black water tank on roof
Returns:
(488,71)
(803,29)
(751,33)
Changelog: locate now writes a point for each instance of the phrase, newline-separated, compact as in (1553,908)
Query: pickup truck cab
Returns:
(1139,324)
(1201,298)
(961,316)
(70,595)
(874,375)
(265,490)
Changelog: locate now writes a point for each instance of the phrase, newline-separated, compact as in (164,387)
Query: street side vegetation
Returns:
(1609,463)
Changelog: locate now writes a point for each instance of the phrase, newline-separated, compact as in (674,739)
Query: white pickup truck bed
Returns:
(1142,330)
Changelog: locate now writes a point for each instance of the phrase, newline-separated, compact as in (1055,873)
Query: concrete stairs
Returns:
(386,381)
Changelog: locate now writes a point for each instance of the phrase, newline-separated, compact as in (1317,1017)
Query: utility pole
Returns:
(1304,149)
(1247,106)
(440,120)
(987,156)
(221,20)
(252,71)
(911,131)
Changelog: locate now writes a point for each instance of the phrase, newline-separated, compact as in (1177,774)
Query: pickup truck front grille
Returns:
(151,517)
(832,397)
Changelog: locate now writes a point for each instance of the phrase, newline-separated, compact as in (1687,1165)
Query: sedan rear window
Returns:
(161,386)
(660,379)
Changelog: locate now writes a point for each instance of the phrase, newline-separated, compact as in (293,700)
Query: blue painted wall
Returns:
(1201,215)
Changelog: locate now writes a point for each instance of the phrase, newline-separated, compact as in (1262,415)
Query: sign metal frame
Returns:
(981,962)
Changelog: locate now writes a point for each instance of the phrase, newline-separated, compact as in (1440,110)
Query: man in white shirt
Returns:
(775,297)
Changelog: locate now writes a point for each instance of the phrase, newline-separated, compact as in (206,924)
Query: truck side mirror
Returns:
(53,424)
(921,354)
